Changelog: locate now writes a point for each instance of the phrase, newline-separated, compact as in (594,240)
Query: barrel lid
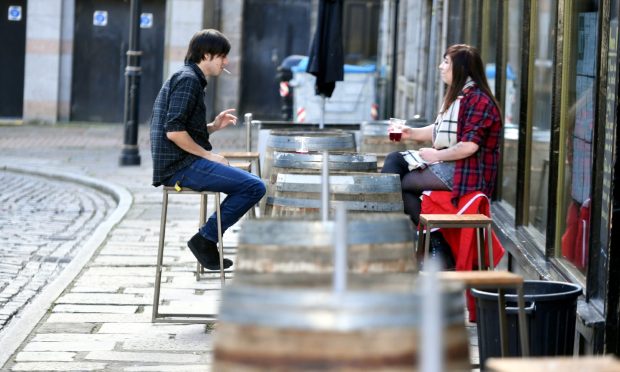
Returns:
(314,160)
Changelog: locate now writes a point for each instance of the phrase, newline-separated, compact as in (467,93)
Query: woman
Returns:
(460,163)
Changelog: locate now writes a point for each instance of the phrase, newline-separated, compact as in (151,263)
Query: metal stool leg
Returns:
(427,242)
(479,247)
(525,344)
(420,246)
(503,323)
(160,255)
(219,236)
(489,229)
(202,218)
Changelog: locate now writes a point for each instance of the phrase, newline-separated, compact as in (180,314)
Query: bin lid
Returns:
(303,64)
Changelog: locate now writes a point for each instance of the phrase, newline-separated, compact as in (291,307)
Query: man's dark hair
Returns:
(204,42)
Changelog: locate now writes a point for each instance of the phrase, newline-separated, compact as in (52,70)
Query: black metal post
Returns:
(131,153)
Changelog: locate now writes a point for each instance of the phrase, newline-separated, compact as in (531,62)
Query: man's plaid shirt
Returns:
(179,106)
(479,122)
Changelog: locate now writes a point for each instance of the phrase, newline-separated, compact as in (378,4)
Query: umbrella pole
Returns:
(322,120)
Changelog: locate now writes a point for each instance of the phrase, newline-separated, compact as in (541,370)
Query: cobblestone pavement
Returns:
(42,222)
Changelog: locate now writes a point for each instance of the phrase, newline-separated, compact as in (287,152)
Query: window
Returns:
(539,112)
(577,123)
(513,37)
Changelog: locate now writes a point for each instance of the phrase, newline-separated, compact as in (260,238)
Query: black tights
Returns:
(412,183)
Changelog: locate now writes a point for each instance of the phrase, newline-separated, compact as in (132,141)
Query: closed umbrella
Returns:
(326,60)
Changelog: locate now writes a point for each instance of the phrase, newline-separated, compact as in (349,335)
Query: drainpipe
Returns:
(394,59)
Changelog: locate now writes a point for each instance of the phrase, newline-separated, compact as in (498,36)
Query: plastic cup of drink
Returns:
(395,129)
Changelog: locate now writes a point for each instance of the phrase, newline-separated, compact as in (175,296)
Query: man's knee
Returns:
(259,189)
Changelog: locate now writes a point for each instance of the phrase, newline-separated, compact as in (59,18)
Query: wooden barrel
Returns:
(300,194)
(312,163)
(376,244)
(374,325)
(306,141)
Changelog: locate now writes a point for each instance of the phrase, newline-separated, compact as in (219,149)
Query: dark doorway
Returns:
(274,30)
(360,31)
(99,59)
(12,58)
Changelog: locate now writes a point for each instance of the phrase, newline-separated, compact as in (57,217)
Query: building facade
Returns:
(553,66)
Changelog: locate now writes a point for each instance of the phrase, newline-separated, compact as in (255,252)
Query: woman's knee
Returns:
(394,163)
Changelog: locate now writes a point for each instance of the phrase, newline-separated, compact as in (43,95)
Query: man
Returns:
(180,143)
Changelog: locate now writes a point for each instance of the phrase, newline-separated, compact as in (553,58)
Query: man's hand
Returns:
(186,143)
(216,158)
(222,120)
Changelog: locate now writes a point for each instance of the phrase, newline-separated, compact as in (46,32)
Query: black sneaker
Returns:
(206,253)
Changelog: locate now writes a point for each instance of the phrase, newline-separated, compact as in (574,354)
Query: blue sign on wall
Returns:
(146,20)
(100,18)
(15,13)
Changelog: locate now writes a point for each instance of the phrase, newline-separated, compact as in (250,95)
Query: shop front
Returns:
(553,67)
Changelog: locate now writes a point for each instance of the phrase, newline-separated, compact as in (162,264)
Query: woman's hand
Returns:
(418,134)
(222,120)
(429,154)
(459,151)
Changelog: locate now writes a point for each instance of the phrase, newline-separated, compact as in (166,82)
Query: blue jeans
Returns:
(243,190)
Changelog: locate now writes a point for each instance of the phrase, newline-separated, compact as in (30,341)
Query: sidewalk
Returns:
(102,319)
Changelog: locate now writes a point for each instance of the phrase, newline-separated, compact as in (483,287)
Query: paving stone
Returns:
(121,309)
(99,289)
(151,329)
(44,356)
(169,368)
(116,272)
(138,357)
(103,299)
(82,337)
(125,261)
(168,345)
(58,366)
(97,318)
(66,328)
(70,346)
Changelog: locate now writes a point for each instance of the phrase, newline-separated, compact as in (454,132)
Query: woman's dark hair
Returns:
(204,42)
(466,62)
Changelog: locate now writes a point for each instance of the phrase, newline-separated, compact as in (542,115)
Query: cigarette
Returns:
(226,71)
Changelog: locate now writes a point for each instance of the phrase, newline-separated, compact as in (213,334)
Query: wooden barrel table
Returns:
(300,194)
(373,325)
(376,244)
(306,141)
(312,163)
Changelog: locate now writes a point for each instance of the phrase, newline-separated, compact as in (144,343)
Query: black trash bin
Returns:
(551,309)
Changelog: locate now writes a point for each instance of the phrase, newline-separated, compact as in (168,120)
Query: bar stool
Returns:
(500,280)
(478,221)
(186,318)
